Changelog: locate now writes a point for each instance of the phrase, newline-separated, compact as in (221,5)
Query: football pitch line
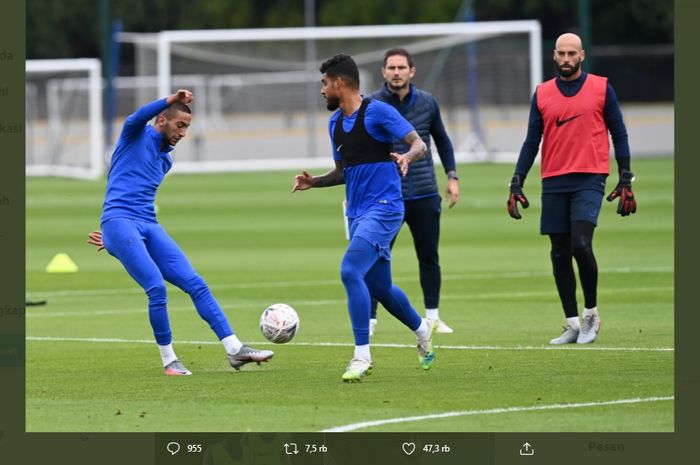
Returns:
(494,411)
(332,282)
(233,305)
(347,344)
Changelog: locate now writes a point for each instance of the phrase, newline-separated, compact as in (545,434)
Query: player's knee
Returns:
(157,293)
(561,261)
(560,254)
(349,274)
(194,285)
(582,245)
(582,238)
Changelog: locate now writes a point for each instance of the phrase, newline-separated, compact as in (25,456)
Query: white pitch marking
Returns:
(344,344)
(114,311)
(448,297)
(144,309)
(331,282)
(369,424)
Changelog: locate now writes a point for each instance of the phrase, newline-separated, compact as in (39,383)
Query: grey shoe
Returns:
(176,368)
(247,354)
(568,336)
(589,329)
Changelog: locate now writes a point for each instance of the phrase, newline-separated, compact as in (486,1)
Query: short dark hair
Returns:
(398,51)
(175,107)
(342,65)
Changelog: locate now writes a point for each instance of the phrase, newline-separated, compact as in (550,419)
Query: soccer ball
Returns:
(279,323)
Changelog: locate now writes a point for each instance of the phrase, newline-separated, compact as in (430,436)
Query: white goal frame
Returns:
(92,66)
(477,29)
(166,41)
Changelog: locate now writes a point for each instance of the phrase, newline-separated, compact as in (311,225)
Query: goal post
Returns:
(470,31)
(64,128)
(273,66)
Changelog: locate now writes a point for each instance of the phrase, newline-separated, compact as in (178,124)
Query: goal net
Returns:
(64,130)
(257,101)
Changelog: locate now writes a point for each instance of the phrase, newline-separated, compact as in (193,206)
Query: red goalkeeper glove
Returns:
(627,203)
(516,195)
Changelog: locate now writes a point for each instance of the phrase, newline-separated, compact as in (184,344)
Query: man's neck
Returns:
(163,142)
(401,93)
(351,103)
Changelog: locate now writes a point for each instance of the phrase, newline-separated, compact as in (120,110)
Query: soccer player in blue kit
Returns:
(362,133)
(131,233)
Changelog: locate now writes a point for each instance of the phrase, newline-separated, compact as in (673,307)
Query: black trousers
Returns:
(575,245)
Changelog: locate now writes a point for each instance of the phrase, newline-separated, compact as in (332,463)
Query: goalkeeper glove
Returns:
(627,204)
(516,195)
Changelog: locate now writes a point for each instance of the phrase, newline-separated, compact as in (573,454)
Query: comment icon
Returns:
(173,448)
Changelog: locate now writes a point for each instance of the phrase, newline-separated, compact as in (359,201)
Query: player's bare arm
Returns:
(334,177)
(416,151)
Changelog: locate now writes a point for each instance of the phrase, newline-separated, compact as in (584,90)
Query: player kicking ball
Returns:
(131,233)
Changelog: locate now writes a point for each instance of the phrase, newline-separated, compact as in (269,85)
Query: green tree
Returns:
(70,28)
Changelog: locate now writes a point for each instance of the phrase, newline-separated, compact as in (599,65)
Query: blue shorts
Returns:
(378,228)
(559,210)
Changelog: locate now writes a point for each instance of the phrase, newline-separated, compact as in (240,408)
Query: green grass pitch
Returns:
(91,365)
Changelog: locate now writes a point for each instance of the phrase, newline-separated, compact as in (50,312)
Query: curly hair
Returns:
(343,66)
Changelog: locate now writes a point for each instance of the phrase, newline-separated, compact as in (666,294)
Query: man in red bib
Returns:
(574,112)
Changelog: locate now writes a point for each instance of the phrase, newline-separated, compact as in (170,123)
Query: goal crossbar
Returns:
(166,39)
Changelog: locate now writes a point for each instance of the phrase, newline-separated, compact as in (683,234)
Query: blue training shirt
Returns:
(422,111)
(138,167)
(373,186)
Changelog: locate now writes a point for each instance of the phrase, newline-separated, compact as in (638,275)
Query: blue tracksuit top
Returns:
(138,167)
(372,186)
(422,111)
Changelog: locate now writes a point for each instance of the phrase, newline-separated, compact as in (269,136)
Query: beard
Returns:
(570,71)
(332,103)
(396,87)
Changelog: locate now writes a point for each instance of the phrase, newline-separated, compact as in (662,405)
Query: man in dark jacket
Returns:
(419,187)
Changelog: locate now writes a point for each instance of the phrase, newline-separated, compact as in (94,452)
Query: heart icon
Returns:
(408,448)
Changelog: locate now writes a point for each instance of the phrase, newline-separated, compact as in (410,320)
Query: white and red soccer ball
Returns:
(279,323)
